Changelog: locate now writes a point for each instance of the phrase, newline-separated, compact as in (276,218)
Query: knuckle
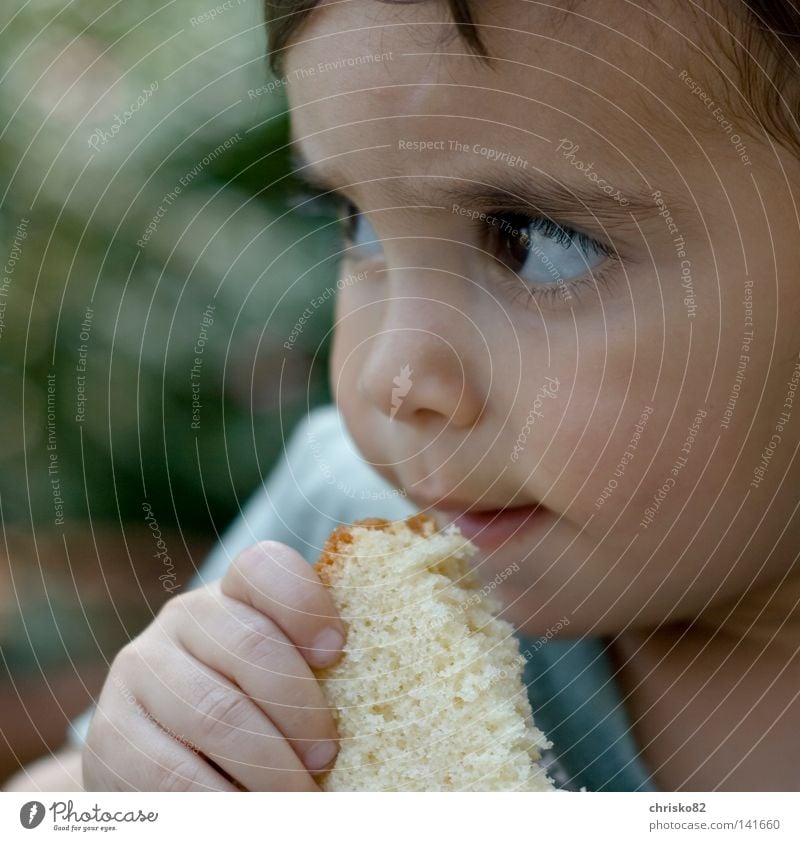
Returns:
(221,710)
(174,607)
(126,667)
(181,775)
(249,565)
(264,561)
(259,644)
(126,660)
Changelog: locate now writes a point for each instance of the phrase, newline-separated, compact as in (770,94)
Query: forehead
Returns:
(598,73)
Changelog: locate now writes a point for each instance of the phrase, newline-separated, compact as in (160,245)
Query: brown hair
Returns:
(766,51)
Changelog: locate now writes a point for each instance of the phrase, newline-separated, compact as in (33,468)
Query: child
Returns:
(566,319)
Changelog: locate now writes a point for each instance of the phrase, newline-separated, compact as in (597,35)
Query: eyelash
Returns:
(323,202)
(553,294)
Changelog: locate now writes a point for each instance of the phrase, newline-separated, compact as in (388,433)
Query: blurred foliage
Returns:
(88,158)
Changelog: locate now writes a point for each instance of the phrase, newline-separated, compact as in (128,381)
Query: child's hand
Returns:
(217,692)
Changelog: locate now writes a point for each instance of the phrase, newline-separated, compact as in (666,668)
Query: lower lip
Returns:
(492,529)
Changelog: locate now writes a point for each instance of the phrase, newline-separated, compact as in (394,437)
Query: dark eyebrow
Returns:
(512,190)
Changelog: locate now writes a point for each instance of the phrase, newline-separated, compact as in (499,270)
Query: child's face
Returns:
(633,397)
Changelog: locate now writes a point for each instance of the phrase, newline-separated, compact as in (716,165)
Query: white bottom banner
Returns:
(389,816)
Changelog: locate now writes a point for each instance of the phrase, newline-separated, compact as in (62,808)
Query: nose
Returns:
(413,373)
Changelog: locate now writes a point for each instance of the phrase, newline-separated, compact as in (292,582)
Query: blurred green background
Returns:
(145,213)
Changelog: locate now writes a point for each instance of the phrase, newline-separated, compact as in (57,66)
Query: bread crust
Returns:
(341,537)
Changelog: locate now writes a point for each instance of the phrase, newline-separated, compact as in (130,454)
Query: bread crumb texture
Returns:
(429,694)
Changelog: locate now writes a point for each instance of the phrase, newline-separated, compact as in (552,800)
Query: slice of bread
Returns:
(428,695)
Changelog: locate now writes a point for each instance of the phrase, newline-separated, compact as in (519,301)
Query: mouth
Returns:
(489,529)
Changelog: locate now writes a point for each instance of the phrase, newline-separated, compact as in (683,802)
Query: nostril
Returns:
(427,417)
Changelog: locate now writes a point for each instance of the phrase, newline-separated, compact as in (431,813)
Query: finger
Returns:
(127,751)
(281,584)
(205,709)
(248,648)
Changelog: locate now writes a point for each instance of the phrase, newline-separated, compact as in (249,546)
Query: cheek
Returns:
(628,393)
(606,375)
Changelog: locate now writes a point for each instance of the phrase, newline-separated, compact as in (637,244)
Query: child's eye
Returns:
(542,252)
(552,260)
(359,234)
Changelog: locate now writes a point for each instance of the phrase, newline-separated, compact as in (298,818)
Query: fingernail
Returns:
(327,647)
(320,755)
